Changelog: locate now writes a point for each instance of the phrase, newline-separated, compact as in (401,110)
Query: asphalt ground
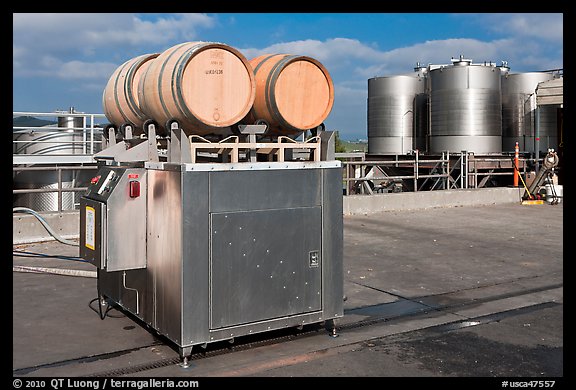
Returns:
(454,292)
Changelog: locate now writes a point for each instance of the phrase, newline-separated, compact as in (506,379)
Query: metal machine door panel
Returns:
(264,264)
(92,239)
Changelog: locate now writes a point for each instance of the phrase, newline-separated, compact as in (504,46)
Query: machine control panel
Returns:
(114,205)
(102,185)
(106,184)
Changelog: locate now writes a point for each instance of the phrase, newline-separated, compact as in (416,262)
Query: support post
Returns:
(516,171)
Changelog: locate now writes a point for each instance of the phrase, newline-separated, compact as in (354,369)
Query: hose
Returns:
(55,271)
(44,223)
(60,271)
(43,255)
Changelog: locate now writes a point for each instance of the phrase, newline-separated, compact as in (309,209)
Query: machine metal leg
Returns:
(331,328)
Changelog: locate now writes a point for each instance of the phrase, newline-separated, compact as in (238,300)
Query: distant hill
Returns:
(31,121)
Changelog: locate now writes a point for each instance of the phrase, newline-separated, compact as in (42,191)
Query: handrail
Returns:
(52,148)
(447,171)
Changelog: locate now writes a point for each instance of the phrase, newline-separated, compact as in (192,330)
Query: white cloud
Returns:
(49,66)
(85,70)
(104,30)
(403,60)
(358,59)
(57,43)
(331,50)
(543,26)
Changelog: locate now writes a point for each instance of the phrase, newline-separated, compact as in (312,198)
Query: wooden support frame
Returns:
(231,146)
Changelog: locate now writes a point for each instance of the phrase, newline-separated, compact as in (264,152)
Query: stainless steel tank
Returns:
(396,107)
(56,142)
(466,108)
(518,113)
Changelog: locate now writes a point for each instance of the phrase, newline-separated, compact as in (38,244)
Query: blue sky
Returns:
(64,59)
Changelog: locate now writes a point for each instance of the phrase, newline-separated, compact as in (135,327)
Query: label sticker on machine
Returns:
(314,258)
(90,227)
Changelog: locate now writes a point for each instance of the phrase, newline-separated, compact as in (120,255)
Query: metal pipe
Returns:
(59,175)
(47,190)
(447,170)
(416,172)
(537,135)
(516,158)
(463,170)
(50,168)
(133,289)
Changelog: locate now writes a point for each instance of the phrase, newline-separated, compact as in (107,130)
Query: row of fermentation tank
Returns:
(463,106)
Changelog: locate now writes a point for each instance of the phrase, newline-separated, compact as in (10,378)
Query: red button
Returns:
(134,188)
(95,179)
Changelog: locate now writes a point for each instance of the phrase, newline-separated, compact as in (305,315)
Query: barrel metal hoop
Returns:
(262,62)
(174,50)
(271,98)
(128,87)
(255,112)
(142,99)
(116,92)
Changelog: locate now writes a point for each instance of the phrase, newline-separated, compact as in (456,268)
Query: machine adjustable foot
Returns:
(331,328)
(184,354)
(185,363)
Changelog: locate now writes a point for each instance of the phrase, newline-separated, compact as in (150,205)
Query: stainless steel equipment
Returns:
(396,113)
(518,113)
(210,251)
(66,139)
(466,108)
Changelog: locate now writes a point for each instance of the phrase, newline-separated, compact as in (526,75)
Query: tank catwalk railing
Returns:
(417,172)
(52,143)
(52,156)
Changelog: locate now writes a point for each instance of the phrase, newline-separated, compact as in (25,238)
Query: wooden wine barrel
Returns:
(206,86)
(120,98)
(293,93)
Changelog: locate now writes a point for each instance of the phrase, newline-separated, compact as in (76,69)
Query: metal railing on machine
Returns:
(53,157)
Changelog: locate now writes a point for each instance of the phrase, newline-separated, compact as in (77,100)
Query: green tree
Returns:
(339,146)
